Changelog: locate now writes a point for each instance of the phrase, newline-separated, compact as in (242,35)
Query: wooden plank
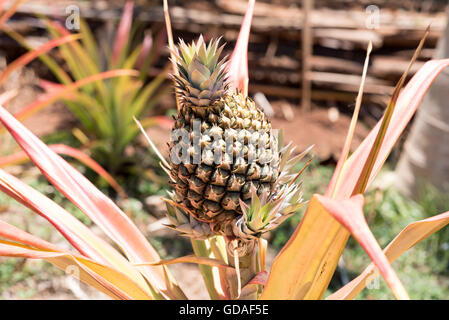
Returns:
(267,16)
(307,47)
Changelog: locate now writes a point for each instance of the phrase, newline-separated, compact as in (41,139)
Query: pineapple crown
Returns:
(202,76)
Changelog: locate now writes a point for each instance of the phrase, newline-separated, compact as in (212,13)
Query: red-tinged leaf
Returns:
(101,277)
(49,98)
(312,279)
(238,63)
(406,105)
(31,55)
(410,236)
(2,3)
(9,12)
(260,278)
(63,262)
(49,86)
(56,215)
(99,208)
(122,37)
(348,141)
(19,236)
(79,60)
(349,212)
(86,242)
(362,182)
(62,149)
(45,58)
(89,162)
(13,233)
(147,45)
(13,159)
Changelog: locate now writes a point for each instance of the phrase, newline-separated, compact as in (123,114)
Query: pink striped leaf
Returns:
(99,208)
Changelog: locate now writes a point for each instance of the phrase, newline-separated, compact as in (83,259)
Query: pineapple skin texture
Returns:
(227,147)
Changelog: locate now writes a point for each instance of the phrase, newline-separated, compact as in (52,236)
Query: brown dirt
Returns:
(43,122)
(316,128)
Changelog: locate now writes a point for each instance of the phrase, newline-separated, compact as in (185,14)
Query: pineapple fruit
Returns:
(230,175)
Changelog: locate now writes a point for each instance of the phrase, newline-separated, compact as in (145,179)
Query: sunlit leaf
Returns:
(101,277)
(99,208)
(350,214)
(21,157)
(86,242)
(410,236)
(313,277)
(238,63)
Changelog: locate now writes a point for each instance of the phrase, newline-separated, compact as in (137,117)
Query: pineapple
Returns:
(228,173)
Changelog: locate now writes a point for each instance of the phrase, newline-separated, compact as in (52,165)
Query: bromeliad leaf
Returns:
(410,236)
(100,209)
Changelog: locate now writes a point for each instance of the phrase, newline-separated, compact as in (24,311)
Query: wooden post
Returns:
(307,47)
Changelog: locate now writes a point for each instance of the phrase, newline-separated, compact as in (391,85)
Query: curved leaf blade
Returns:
(238,63)
(22,238)
(56,93)
(350,214)
(122,36)
(86,242)
(101,277)
(31,55)
(62,149)
(312,282)
(99,208)
(410,236)
(406,106)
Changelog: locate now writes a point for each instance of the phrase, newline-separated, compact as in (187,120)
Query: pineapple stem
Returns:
(246,267)
(202,248)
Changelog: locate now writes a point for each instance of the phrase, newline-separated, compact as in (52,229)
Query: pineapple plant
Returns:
(229,150)
(230,176)
(227,191)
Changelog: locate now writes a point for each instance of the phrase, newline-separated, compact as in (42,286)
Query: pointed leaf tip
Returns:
(123,31)
(238,64)
(350,214)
